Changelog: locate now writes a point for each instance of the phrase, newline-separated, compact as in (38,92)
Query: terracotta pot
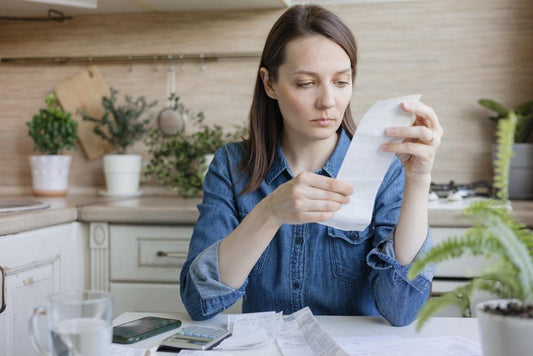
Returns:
(50,174)
(504,335)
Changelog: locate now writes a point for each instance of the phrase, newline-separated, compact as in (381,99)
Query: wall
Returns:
(452,51)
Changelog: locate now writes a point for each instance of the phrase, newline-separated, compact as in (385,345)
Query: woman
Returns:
(257,236)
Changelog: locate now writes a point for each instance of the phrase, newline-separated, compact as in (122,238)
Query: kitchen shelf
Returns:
(176,58)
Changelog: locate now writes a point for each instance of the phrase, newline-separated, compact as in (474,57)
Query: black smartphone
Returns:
(142,328)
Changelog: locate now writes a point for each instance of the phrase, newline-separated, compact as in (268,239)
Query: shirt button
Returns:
(299,240)
(296,285)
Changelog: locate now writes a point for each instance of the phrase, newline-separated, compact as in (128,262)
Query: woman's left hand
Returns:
(419,143)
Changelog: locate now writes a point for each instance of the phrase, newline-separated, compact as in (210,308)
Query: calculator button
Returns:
(201,332)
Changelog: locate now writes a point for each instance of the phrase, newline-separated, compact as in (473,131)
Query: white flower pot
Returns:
(50,174)
(504,335)
(122,174)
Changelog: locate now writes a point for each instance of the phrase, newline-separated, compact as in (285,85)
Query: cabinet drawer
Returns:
(148,253)
(152,297)
(146,297)
(463,267)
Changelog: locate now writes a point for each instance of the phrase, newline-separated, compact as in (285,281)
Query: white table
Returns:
(335,326)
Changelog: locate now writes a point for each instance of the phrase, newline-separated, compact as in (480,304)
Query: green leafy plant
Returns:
(524,117)
(178,160)
(121,124)
(53,129)
(493,234)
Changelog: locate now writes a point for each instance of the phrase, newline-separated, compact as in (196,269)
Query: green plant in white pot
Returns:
(506,324)
(122,125)
(53,130)
(521,172)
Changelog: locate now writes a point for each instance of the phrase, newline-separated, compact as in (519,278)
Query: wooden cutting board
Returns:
(84,92)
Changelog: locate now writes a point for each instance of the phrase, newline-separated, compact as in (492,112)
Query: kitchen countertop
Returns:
(62,210)
(522,210)
(167,210)
(143,210)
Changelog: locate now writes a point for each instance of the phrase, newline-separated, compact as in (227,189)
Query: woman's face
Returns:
(313,88)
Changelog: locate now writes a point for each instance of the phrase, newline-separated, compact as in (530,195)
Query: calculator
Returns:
(194,337)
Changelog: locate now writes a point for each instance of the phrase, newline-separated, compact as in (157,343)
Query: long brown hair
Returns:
(265,120)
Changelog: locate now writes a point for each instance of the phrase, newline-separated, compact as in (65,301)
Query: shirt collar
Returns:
(331,168)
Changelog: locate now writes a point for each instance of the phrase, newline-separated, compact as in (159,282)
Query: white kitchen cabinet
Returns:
(34,265)
(140,265)
(133,263)
(464,267)
(453,273)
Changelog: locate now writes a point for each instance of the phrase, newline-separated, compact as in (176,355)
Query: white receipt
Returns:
(302,335)
(365,164)
(296,335)
(244,324)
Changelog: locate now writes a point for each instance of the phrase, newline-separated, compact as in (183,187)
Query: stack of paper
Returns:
(297,334)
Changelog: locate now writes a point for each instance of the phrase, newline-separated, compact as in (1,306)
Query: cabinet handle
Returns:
(172,254)
(4,289)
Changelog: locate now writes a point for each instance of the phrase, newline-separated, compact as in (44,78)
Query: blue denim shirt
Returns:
(329,270)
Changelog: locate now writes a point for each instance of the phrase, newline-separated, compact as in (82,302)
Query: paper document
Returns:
(393,345)
(365,164)
(247,323)
(302,335)
(297,334)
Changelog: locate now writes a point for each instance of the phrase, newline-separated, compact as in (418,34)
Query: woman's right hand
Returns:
(309,197)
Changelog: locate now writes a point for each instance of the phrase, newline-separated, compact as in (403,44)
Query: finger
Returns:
(313,193)
(413,148)
(422,133)
(319,206)
(423,111)
(324,183)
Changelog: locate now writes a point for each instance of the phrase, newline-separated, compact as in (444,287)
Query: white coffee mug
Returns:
(78,323)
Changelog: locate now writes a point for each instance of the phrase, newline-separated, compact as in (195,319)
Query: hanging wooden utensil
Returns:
(84,91)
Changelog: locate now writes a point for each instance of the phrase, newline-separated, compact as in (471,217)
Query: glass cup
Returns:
(78,324)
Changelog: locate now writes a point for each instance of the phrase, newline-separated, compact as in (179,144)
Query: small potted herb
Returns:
(53,130)
(180,159)
(122,125)
(506,324)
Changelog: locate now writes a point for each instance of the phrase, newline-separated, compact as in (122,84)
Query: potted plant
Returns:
(506,324)
(122,125)
(180,159)
(52,130)
(521,173)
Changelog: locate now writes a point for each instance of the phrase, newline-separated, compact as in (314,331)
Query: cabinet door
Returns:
(27,286)
(37,263)
(148,253)
(464,267)
(152,297)
(146,297)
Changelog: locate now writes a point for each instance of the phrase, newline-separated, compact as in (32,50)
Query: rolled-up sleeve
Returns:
(202,292)
(397,298)
(205,295)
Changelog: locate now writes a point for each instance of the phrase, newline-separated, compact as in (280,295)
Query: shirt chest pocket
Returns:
(348,252)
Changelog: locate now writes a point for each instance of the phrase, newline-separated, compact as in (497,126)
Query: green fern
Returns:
(502,164)
(494,234)
(458,297)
